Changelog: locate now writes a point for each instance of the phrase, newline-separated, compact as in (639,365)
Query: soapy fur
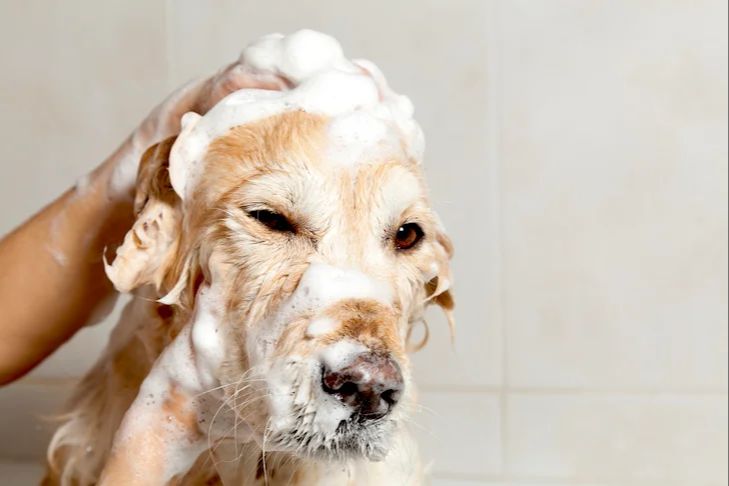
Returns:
(366,114)
(220,376)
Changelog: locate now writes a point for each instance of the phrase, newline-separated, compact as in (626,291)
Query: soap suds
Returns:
(321,326)
(324,284)
(340,354)
(58,255)
(431,272)
(55,236)
(368,118)
(82,185)
(207,335)
(320,286)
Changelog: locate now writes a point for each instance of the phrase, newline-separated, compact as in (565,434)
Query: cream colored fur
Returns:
(171,252)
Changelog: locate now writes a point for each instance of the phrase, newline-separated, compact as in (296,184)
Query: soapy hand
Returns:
(164,120)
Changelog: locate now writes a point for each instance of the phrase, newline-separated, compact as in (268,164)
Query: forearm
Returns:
(52,276)
(52,272)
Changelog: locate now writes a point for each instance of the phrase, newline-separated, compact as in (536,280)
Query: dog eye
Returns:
(273,221)
(408,235)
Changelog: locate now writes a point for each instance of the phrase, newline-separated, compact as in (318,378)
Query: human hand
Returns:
(164,120)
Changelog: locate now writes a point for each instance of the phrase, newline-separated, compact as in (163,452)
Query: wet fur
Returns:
(174,266)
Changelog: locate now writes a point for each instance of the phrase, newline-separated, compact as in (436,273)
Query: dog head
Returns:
(315,262)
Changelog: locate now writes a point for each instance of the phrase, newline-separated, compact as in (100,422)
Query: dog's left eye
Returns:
(273,221)
(408,235)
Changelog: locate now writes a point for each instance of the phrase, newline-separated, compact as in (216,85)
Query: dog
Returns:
(275,292)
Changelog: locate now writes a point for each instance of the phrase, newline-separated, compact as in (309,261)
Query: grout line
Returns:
(494,96)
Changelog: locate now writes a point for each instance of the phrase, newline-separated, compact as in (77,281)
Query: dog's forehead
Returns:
(360,138)
(357,153)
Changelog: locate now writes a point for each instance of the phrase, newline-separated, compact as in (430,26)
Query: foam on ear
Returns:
(181,165)
(145,254)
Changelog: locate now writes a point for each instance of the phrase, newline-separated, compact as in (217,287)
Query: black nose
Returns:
(371,385)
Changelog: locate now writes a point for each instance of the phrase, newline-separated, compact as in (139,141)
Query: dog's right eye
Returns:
(273,221)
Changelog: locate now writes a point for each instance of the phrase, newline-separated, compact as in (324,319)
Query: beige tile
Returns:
(663,439)
(25,425)
(77,77)
(413,46)
(21,473)
(459,433)
(615,190)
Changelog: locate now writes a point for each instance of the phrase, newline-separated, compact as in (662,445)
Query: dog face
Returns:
(319,270)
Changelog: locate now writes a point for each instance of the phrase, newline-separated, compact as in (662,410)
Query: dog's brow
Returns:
(399,191)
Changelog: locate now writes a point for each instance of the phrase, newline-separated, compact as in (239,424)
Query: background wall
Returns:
(577,153)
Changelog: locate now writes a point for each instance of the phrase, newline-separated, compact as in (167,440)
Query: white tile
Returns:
(413,46)
(21,473)
(663,439)
(459,433)
(77,77)
(25,418)
(615,190)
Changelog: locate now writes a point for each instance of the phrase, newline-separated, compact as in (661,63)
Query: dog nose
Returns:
(372,384)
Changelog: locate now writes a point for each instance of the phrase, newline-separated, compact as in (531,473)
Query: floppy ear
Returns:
(149,246)
(438,289)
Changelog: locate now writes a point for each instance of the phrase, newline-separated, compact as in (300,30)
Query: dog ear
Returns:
(149,246)
(438,289)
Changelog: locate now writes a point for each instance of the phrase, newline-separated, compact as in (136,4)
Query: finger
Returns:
(236,77)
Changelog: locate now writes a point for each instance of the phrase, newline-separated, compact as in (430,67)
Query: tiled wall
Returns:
(577,153)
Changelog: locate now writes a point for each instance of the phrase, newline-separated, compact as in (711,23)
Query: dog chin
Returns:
(352,440)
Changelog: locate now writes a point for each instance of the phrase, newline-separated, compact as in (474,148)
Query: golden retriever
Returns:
(277,276)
